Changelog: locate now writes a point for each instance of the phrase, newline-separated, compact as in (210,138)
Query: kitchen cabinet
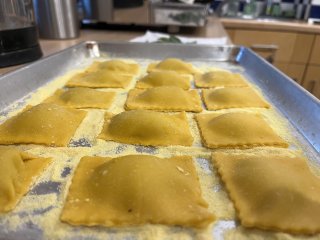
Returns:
(293,70)
(292,47)
(311,80)
(298,53)
(315,55)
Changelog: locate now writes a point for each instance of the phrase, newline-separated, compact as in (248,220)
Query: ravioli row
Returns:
(55,125)
(271,192)
(164,98)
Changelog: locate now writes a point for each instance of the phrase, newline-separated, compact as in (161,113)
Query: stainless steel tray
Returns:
(296,104)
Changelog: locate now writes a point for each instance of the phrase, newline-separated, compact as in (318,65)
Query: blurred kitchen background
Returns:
(285,32)
(194,12)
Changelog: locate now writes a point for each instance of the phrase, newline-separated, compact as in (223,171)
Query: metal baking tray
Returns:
(296,104)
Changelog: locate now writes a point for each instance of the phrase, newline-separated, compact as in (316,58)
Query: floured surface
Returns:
(37,215)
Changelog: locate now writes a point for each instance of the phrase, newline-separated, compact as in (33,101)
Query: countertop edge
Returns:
(294,26)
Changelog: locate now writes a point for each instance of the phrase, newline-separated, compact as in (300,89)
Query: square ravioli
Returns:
(134,190)
(147,128)
(18,171)
(46,123)
(82,98)
(219,79)
(272,192)
(232,97)
(100,79)
(164,78)
(173,64)
(237,130)
(116,66)
(164,99)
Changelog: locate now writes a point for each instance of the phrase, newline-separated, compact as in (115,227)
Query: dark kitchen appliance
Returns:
(18,33)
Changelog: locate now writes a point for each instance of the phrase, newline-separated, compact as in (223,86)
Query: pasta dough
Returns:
(100,79)
(173,64)
(46,123)
(272,192)
(135,190)
(164,98)
(230,97)
(164,78)
(219,79)
(116,66)
(17,173)
(236,130)
(82,98)
(147,128)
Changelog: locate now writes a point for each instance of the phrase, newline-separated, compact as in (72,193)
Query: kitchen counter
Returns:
(213,29)
(269,24)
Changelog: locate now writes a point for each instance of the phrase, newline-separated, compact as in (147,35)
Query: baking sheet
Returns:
(41,222)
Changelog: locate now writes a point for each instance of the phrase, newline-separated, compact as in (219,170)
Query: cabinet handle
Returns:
(266,48)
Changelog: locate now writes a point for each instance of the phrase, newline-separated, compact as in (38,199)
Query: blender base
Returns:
(20,56)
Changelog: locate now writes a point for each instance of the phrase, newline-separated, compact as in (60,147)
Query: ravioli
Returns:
(164,99)
(100,79)
(147,128)
(82,98)
(231,97)
(135,190)
(272,192)
(173,64)
(220,79)
(17,171)
(164,78)
(46,123)
(116,66)
(237,130)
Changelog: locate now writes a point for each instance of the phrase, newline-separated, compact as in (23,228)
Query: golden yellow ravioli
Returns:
(237,130)
(272,192)
(116,66)
(164,78)
(135,190)
(17,171)
(46,123)
(231,97)
(147,128)
(164,99)
(100,79)
(173,64)
(82,98)
(220,79)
